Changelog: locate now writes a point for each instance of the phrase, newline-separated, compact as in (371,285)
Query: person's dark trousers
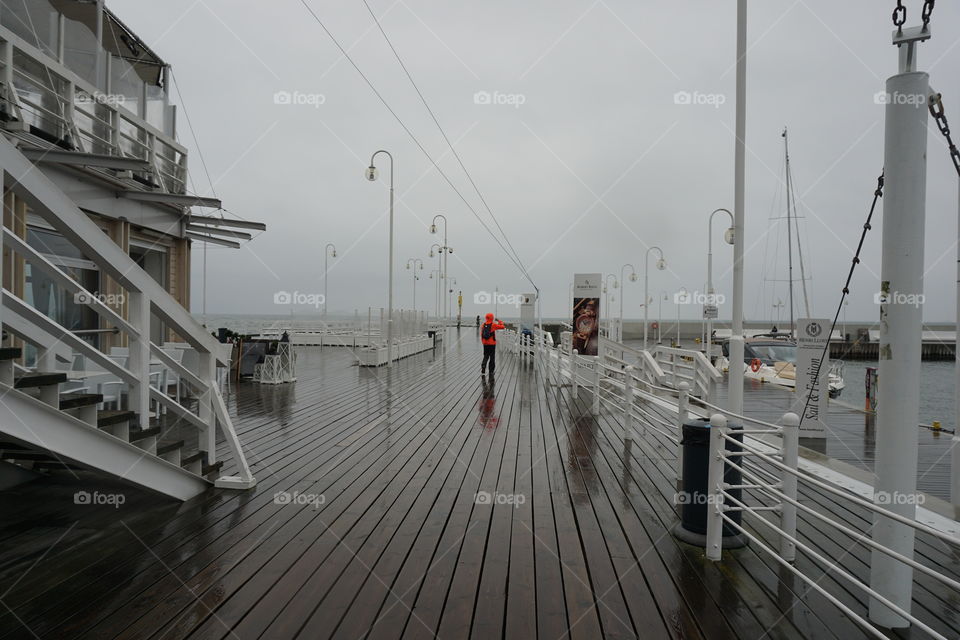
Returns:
(489,353)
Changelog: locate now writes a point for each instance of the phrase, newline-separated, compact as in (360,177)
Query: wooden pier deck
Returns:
(418,503)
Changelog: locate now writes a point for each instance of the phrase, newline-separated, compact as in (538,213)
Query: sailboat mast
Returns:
(791,197)
(786,153)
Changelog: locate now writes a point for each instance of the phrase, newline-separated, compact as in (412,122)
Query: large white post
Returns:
(735,402)
(955,442)
(901,315)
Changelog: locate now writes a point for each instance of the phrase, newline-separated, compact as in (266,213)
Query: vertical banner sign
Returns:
(527,312)
(586,313)
(812,336)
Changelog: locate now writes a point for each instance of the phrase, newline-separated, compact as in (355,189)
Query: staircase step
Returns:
(207,469)
(10,353)
(77,400)
(111,417)
(169,447)
(198,456)
(140,434)
(31,380)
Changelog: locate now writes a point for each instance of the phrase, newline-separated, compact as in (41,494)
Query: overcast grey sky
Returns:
(598,163)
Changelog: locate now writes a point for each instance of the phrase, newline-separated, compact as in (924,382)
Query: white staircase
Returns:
(153,438)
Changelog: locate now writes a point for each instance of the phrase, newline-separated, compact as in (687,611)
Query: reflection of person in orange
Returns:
(488,405)
(586,326)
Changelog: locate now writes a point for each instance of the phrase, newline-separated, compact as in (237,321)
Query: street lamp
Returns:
(681,295)
(444,251)
(436,290)
(440,271)
(661,265)
(327,254)
(371,174)
(633,278)
(663,296)
(606,301)
(729,238)
(452,282)
(415,261)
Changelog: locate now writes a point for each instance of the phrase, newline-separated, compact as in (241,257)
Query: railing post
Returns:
(955,468)
(206,371)
(138,400)
(718,428)
(788,482)
(597,374)
(628,400)
(683,403)
(574,364)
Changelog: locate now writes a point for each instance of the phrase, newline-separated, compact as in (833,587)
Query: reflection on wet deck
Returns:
(415,502)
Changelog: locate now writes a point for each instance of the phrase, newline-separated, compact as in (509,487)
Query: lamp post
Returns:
(728,236)
(606,300)
(439,254)
(414,262)
(682,295)
(436,291)
(372,175)
(444,250)
(661,265)
(450,284)
(633,278)
(663,296)
(327,254)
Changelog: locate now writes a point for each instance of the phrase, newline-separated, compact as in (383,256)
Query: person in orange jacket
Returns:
(488,336)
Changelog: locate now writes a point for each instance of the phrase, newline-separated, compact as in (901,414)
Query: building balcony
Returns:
(73,77)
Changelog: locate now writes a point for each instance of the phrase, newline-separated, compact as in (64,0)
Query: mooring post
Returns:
(901,326)
(718,428)
(788,483)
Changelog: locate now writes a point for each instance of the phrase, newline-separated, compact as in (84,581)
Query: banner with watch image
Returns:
(586,313)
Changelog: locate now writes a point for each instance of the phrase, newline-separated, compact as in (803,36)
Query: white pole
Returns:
(718,428)
(735,401)
(390,278)
(901,276)
(646,298)
(955,443)
(788,481)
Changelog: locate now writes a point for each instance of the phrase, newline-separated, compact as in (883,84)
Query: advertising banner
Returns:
(812,336)
(587,289)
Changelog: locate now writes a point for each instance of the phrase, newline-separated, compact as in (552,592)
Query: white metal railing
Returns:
(144,299)
(765,454)
(79,111)
(777,493)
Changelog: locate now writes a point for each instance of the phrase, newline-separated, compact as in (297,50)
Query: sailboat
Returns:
(771,357)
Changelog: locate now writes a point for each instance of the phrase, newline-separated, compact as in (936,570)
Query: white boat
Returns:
(772,358)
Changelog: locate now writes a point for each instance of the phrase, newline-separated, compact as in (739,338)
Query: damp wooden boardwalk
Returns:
(419,502)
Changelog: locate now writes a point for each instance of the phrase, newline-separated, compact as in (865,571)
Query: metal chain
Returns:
(940,117)
(927,12)
(899,15)
(877,194)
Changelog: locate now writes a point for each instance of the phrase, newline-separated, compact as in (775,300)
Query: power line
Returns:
(415,140)
(446,139)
